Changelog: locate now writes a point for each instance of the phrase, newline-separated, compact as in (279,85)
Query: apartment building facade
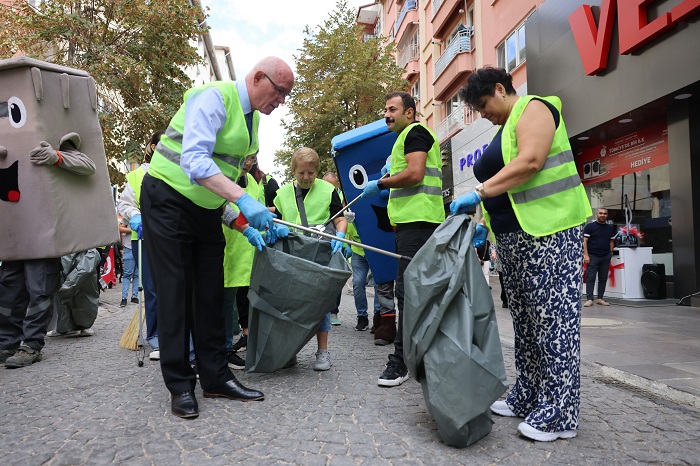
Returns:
(628,82)
(438,44)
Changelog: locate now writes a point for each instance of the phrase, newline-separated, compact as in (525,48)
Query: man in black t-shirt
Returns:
(598,243)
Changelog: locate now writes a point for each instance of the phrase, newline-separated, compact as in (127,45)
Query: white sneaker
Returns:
(69,334)
(323,360)
(87,332)
(526,430)
(502,409)
(154,355)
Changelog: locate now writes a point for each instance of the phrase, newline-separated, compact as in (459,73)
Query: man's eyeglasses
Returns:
(281,91)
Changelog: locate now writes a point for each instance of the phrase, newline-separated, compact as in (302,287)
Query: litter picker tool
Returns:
(347,241)
(340,212)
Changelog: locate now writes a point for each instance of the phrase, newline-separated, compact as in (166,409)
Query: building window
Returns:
(511,52)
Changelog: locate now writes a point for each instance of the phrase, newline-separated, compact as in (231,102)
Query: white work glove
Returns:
(44,154)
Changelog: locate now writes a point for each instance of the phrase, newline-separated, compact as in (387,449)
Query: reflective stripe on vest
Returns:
(423,201)
(316,203)
(554,199)
(233,144)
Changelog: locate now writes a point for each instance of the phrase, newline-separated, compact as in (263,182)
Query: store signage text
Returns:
(471,158)
(645,147)
(634,28)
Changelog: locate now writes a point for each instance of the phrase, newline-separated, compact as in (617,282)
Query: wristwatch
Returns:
(380,185)
(480,191)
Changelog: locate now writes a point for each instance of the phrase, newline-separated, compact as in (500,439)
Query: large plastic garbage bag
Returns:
(451,341)
(292,286)
(76,301)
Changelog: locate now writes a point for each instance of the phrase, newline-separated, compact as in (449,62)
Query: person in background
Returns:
(320,202)
(130,276)
(533,200)
(499,268)
(598,245)
(130,210)
(332,178)
(415,206)
(189,182)
(482,246)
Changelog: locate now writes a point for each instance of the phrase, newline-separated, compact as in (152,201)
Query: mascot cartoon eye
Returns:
(358,176)
(17,112)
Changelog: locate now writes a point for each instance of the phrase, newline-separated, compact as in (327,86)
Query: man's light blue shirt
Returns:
(205,115)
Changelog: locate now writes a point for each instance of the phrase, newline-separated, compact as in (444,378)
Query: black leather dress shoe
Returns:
(185,405)
(234,390)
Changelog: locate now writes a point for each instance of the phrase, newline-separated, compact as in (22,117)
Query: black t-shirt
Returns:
(599,236)
(271,188)
(418,139)
(503,219)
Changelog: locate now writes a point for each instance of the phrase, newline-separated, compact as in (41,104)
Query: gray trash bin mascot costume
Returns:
(55,194)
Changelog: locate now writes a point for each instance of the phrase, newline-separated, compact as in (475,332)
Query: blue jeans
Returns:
(360,267)
(325,325)
(131,275)
(230,315)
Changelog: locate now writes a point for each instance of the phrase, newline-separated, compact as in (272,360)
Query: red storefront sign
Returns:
(634,28)
(641,149)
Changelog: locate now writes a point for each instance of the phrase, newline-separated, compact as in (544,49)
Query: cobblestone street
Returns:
(88,402)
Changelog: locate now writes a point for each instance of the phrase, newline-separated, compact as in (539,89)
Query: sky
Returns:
(255,29)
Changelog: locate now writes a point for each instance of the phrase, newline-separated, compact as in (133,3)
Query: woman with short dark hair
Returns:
(535,205)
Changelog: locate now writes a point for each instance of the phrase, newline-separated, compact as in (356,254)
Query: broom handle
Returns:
(347,241)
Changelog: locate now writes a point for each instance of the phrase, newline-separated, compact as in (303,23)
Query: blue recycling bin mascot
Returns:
(359,156)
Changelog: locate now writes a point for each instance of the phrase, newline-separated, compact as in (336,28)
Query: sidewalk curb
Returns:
(651,387)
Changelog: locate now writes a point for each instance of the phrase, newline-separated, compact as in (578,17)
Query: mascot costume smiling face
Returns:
(55,195)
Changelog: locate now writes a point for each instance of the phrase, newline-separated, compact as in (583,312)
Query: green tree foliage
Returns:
(340,85)
(135,50)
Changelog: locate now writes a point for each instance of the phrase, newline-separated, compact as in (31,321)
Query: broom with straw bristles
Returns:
(133,336)
(130,339)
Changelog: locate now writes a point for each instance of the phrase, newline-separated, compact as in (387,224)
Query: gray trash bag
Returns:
(451,341)
(76,301)
(292,286)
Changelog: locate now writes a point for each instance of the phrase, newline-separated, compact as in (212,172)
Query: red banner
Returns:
(641,149)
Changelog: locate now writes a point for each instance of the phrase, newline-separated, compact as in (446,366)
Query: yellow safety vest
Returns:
(554,199)
(421,202)
(316,203)
(238,253)
(233,144)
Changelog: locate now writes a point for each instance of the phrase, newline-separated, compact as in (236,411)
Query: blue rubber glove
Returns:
(254,238)
(335,244)
(257,214)
(480,235)
(135,222)
(464,203)
(280,231)
(371,189)
(347,251)
(386,168)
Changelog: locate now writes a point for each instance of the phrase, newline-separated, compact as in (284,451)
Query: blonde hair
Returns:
(306,154)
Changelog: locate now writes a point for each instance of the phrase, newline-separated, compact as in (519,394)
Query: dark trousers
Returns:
(598,266)
(409,239)
(185,247)
(26,297)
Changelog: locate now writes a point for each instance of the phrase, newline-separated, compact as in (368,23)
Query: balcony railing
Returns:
(408,6)
(460,117)
(366,37)
(436,5)
(408,54)
(461,43)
